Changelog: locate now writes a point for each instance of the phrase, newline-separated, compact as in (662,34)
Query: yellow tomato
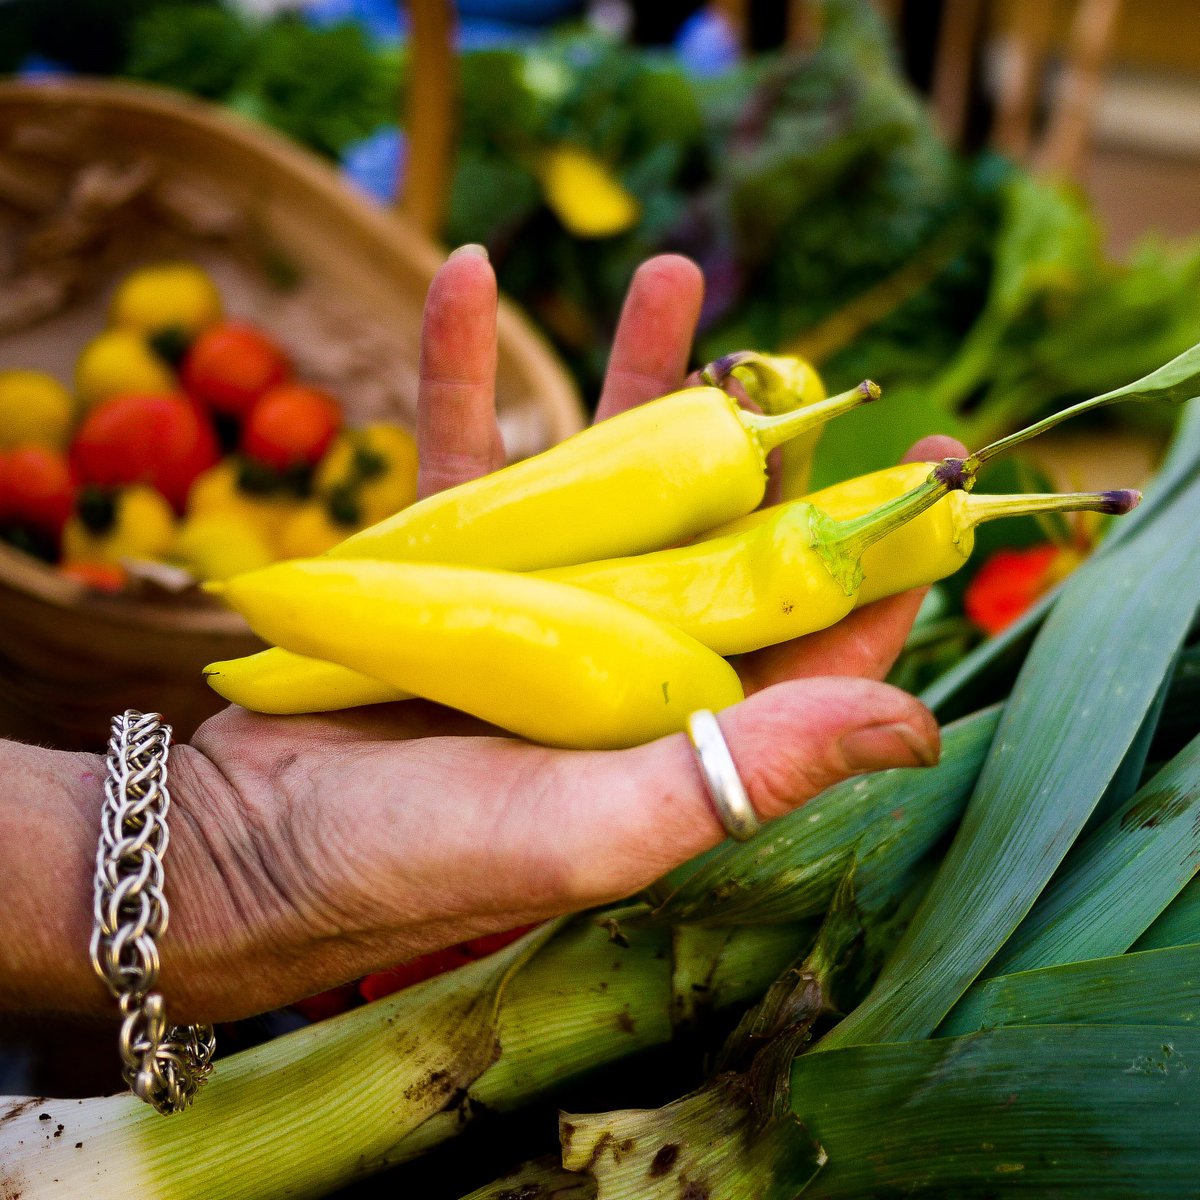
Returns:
(375,468)
(220,544)
(116,361)
(175,295)
(35,409)
(311,531)
(142,526)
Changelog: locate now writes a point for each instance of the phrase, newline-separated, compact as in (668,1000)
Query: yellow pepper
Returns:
(135,522)
(35,409)
(549,662)
(778,383)
(790,575)
(937,542)
(173,295)
(652,476)
(281,682)
(370,473)
(217,545)
(116,361)
(218,492)
(311,530)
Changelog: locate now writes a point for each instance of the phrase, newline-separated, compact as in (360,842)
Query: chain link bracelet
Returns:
(163,1066)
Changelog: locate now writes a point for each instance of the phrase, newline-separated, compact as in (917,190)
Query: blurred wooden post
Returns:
(804,25)
(737,13)
(1064,146)
(1019,84)
(432,91)
(954,66)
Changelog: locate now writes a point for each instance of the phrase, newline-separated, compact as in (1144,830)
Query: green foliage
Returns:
(200,50)
(326,88)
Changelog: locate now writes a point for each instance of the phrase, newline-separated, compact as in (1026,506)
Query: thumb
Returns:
(789,743)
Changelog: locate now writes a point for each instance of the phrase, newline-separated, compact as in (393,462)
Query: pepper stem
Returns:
(772,431)
(841,544)
(775,382)
(1001,445)
(977,509)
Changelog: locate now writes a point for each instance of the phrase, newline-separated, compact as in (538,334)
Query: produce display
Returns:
(185,440)
(973,979)
(976,979)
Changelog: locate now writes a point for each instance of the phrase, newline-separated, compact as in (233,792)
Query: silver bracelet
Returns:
(163,1066)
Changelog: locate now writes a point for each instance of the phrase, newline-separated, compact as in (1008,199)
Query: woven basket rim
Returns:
(524,344)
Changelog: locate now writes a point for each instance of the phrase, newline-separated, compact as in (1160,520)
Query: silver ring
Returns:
(724,785)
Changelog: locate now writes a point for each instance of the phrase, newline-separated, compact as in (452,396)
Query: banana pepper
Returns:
(777,582)
(653,476)
(552,663)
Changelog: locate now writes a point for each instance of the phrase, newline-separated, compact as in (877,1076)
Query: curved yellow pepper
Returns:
(552,663)
(935,543)
(778,383)
(792,574)
(649,477)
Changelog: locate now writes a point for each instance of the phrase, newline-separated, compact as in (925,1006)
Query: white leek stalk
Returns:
(311,1111)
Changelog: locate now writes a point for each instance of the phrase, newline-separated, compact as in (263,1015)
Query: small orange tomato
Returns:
(100,577)
(291,424)
(230,365)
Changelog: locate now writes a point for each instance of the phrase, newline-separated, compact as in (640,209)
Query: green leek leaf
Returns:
(1075,1112)
(1179,922)
(1116,882)
(1155,987)
(1132,605)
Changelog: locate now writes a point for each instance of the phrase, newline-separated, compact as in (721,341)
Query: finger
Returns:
(457,435)
(864,644)
(934,448)
(651,811)
(654,335)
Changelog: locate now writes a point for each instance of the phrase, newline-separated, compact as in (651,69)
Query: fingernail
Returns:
(471,249)
(878,747)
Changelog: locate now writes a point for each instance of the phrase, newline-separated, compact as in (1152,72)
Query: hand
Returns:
(307,851)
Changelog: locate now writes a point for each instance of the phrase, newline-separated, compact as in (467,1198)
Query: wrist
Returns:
(49,826)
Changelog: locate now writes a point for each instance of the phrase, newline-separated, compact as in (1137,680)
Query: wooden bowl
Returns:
(340,282)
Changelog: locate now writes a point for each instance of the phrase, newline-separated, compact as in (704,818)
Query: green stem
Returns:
(978,509)
(842,543)
(772,431)
(1031,431)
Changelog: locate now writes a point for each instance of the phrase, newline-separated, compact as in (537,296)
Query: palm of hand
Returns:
(333,845)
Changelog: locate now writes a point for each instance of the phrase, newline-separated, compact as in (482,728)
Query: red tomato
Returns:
(329,1004)
(291,424)
(426,966)
(230,365)
(489,943)
(37,489)
(159,439)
